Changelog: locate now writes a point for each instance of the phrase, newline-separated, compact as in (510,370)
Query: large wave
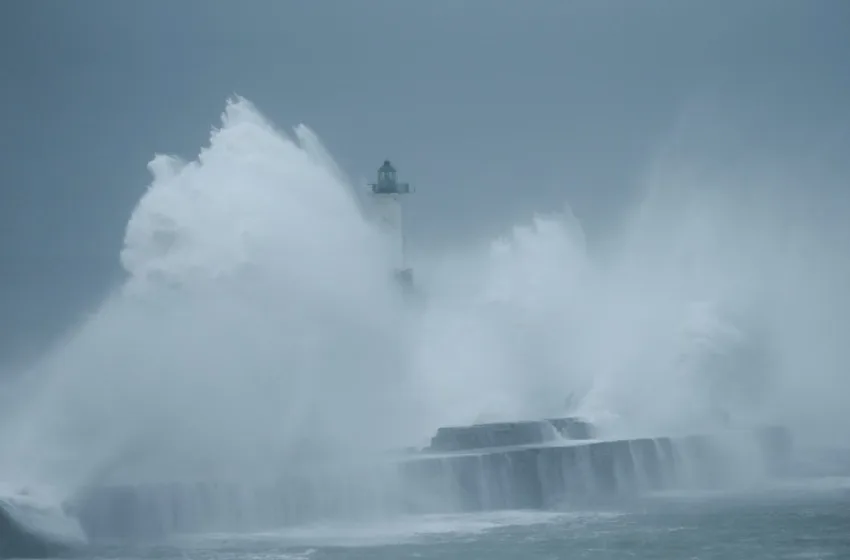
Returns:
(33,526)
(258,325)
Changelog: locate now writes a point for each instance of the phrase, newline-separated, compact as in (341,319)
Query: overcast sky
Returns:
(495,109)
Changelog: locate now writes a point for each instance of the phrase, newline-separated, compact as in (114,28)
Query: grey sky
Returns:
(493,108)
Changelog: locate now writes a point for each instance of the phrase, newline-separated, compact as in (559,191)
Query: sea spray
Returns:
(256,323)
(259,332)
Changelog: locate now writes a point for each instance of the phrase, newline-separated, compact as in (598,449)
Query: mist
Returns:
(258,326)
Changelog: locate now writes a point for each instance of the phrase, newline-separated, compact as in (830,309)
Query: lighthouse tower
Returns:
(387,194)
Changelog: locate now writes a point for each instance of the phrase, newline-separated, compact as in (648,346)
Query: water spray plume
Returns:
(259,329)
(256,319)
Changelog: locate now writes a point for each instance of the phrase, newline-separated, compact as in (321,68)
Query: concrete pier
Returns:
(544,469)
(580,471)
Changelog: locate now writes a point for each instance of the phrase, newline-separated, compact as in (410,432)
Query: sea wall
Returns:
(578,472)
(152,510)
(540,476)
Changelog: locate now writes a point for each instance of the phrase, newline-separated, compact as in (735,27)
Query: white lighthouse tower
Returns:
(387,195)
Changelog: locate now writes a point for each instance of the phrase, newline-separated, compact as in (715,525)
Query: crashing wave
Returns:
(33,527)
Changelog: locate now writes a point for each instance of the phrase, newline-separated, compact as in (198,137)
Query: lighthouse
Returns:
(387,195)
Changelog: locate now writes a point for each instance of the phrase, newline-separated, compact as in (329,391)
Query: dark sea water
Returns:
(791,520)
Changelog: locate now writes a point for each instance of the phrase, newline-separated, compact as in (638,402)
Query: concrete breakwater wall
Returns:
(539,475)
(581,472)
